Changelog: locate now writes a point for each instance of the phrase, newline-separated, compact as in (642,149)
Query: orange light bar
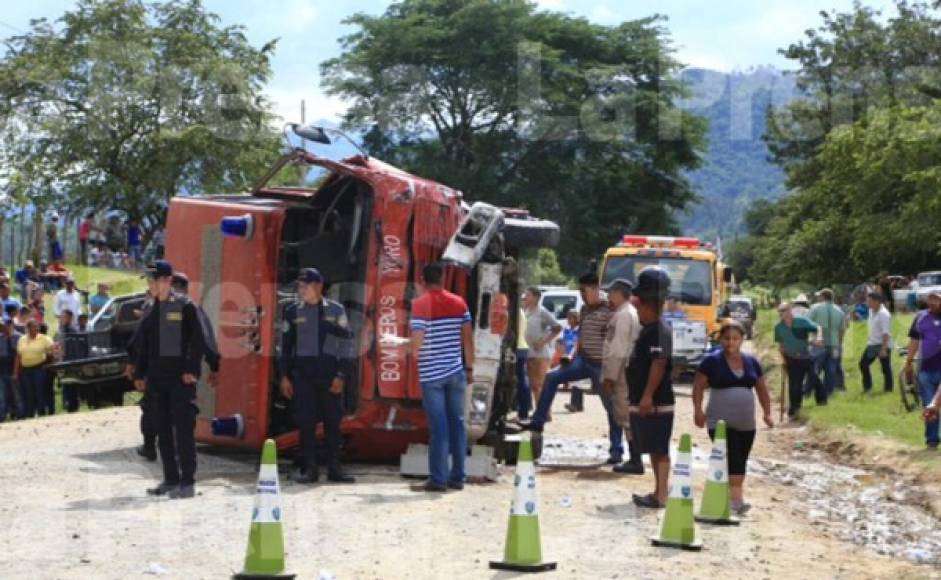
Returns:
(661,242)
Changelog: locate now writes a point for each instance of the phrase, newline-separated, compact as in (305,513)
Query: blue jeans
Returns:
(444,406)
(825,361)
(6,388)
(580,369)
(524,395)
(928,382)
(33,387)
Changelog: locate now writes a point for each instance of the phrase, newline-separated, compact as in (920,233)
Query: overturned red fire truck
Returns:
(370,228)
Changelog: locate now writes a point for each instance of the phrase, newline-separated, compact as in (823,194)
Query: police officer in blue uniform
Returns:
(169,358)
(316,360)
(181,285)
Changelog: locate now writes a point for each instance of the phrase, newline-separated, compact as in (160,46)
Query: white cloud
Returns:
(287,104)
(298,15)
(603,14)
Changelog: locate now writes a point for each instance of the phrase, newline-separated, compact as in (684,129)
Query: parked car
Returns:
(741,309)
(927,281)
(559,300)
(98,372)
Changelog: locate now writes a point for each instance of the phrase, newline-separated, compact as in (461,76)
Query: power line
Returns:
(13,28)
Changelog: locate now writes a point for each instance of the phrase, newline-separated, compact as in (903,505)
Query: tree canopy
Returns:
(861,150)
(520,107)
(125,103)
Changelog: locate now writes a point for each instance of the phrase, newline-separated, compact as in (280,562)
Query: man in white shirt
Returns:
(623,329)
(879,343)
(68,298)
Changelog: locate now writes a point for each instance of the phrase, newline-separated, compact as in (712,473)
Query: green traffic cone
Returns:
(716,507)
(678,529)
(523,551)
(265,555)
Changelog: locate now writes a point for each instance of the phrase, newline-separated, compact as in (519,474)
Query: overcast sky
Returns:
(717,34)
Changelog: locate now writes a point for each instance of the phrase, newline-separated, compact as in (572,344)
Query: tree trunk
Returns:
(37,235)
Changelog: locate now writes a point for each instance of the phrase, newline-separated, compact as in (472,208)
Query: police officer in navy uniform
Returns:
(315,363)
(181,285)
(169,358)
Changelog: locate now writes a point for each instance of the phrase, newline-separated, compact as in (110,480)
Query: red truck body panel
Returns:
(410,223)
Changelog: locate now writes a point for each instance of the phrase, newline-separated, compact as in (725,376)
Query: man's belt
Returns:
(661,410)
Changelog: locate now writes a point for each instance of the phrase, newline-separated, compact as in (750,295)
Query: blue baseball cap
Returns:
(159,269)
(310,276)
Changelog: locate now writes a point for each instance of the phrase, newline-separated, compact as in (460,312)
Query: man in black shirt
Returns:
(650,387)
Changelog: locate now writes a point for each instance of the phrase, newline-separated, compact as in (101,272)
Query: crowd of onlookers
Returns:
(27,348)
(113,242)
(811,339)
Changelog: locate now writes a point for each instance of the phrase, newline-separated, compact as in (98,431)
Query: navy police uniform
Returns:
(171,345)
(316,349)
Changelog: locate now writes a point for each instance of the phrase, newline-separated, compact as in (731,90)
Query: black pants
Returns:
(148,420)
(314,403)
(175,410)
(797,369)
(739,448)
(870,354)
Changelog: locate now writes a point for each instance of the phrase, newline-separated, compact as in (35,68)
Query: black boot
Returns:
(336,475)
(148,453)
(634,465)
(576,401)
(308,475)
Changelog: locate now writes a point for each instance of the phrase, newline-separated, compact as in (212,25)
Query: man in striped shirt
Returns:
(441,328)
(594,317)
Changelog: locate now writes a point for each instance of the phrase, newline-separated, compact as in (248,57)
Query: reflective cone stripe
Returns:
(716,505)
(523,551)
(264,557)
(678,529)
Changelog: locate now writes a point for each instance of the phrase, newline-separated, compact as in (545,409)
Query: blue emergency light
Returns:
(238,226)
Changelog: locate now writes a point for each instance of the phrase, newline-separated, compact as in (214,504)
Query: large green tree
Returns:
(874,207)
(520,107)
(125,103)
(854,62)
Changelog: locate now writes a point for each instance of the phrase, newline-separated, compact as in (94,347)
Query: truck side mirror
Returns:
(728,275)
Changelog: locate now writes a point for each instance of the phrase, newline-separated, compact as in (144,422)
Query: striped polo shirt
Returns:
(440,314)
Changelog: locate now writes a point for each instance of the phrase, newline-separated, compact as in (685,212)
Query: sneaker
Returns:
(162,489)
(147,453)
(629,468)
(932,446)
(530,426)
(182,492)
(614,459)
(456,485)
(430,487)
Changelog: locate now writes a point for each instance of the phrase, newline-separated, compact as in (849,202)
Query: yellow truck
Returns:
(699,281)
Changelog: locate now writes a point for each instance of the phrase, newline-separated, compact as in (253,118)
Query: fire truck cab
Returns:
(369,228)
(699,281)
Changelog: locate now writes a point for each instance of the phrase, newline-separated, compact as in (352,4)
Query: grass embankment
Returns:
(876,413)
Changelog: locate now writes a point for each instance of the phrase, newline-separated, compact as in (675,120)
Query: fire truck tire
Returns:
(524,233)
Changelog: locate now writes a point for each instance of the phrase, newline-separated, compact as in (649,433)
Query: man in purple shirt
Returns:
(925,336)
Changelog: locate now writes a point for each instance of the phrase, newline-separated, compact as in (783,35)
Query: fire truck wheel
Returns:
(530,233)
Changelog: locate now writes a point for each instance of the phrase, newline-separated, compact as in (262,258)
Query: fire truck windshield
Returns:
(690,280)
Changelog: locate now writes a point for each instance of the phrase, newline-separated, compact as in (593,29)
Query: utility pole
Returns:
(303,121)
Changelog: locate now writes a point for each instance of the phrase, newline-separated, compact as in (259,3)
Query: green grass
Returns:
(877,413)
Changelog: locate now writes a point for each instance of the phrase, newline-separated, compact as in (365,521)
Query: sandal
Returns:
(647,501)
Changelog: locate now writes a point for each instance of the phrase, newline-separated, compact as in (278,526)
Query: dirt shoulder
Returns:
(76,508)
